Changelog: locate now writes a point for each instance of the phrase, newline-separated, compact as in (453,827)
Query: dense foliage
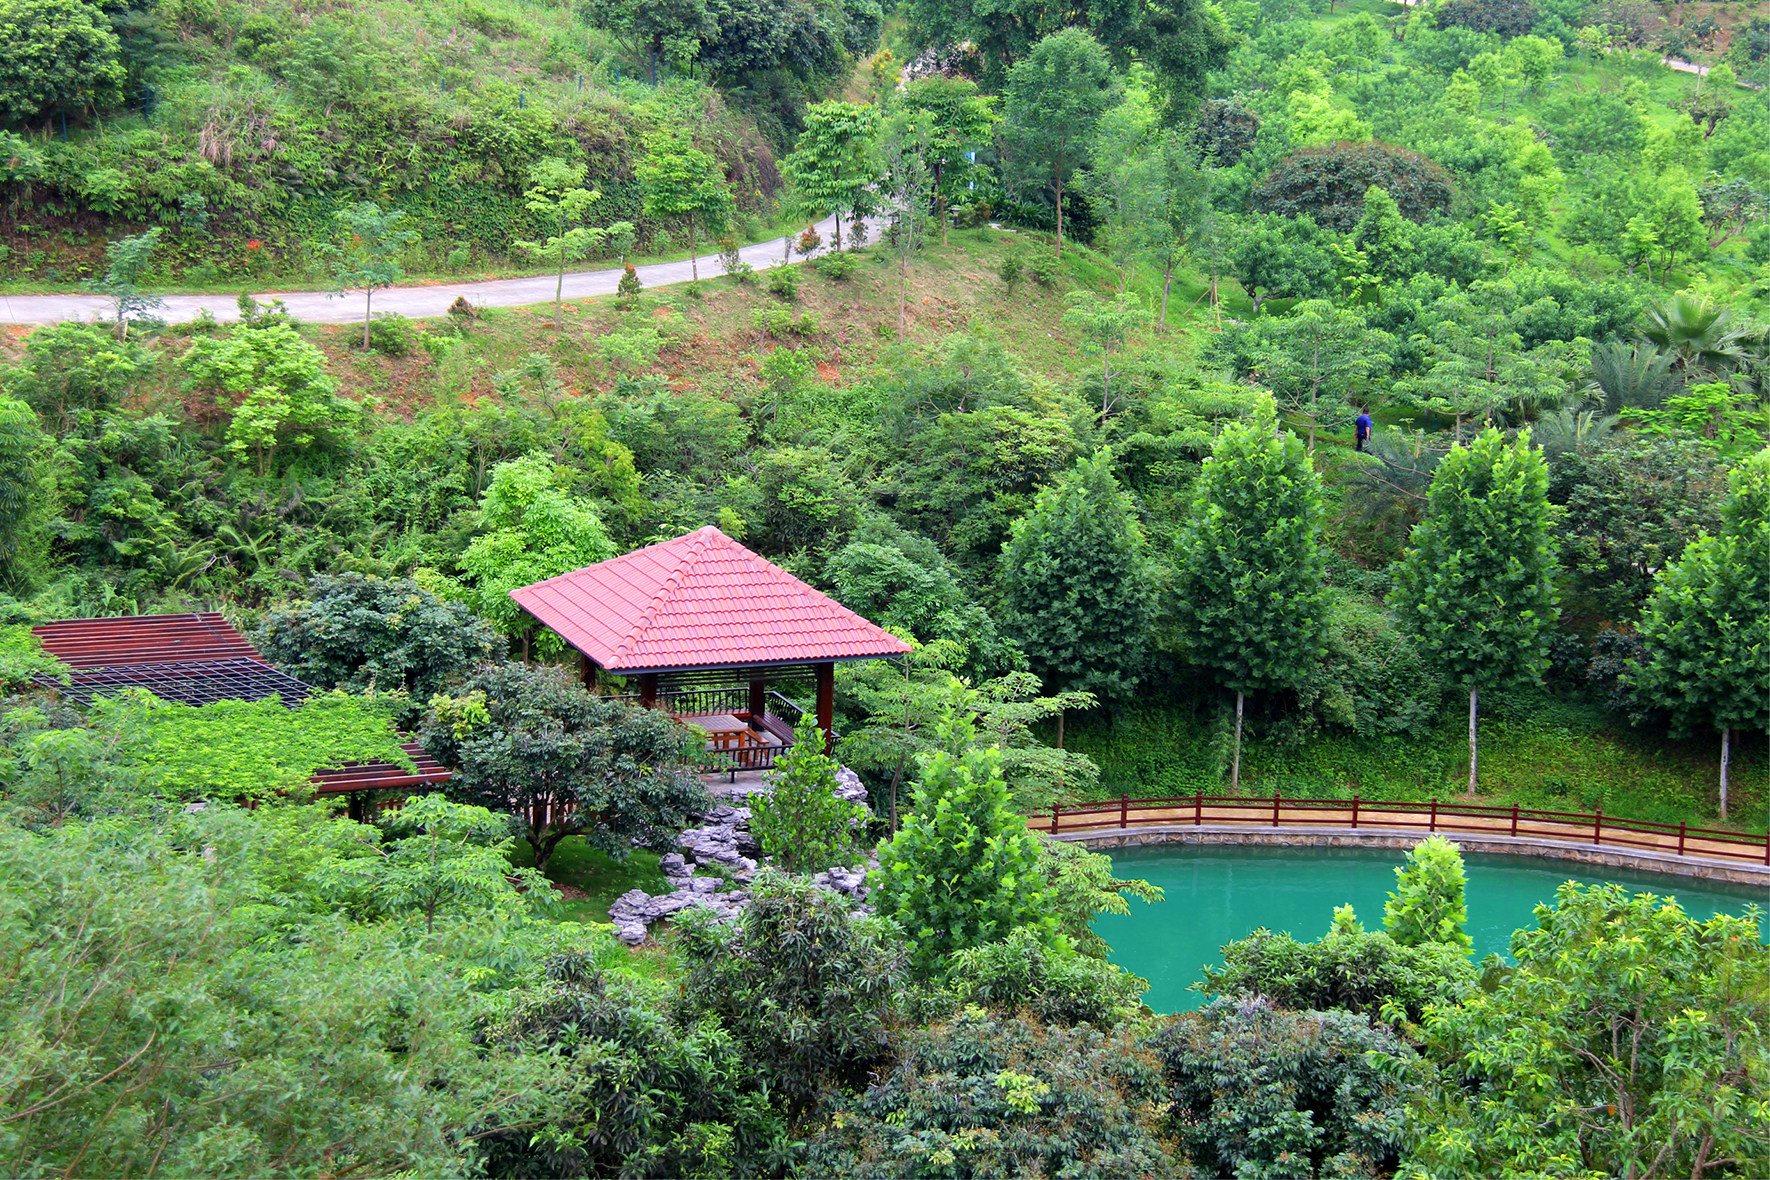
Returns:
(1530,252)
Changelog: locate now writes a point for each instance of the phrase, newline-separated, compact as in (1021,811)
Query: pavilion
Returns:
(703,625)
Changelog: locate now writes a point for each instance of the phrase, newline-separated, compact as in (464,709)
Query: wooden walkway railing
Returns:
(1469,818)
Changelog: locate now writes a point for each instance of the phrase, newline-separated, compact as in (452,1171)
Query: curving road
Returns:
(432,299)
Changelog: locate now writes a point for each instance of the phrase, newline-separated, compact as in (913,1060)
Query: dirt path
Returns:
(432,299)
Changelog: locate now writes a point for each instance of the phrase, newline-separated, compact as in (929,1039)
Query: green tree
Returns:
(1250,603)
(831,165)
(650,31)
(1054,98)
(126,263)
(800,821)
(528,742)
(905,144)
(1427,902)
(1260,1091)
(1630,1040)
(367,261)
(1179,41)
(73,373)
(22,448)
(961,119)
(683,183)
(1315,359)
(1362,971)
(1707,624)
(55,53)
(557,195)
(534,529)
(1104,327)
(1286,257)
(359,632)
(172,985)
(1477,581)
(287,398)
(804,986)
(438,856)
(1077,583)
(964,869)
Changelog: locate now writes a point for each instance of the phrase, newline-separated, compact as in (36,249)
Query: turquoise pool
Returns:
(1216,895)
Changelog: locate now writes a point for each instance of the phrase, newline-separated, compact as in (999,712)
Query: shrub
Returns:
(1045,269)
(1053,982)
(628,287)
(805,988)
(354,632)
(809,242)
(74,370)
(801,822)
(392,334)
(1009,1097)
(1260,1091)
(1328,183)
(641,1097)
(1079,886)
(782,280)
(1630,1040)
(963,870)
(838,267)
(636,348)
(732,260)
(1010,271)
(1368,973)
(1427,904)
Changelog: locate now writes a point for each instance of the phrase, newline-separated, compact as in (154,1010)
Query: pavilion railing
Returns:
(781,715)
(1594,829)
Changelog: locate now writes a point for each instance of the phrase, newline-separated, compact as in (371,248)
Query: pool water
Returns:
(1217,895)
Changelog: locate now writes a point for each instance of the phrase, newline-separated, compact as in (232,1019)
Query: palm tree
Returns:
(1701,338)
(1636,376)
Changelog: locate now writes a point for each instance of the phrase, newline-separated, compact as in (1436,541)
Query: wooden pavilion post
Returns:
(826,702)
(758,701)
(648,690)
(587,669)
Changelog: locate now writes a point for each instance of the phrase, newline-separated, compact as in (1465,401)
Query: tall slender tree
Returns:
(907,183)
(1250,601)
(961,120)
(1707,627)
(683,183)
(1477,581)
(1077,582)
(831,165)
(367,259)
(558,196)
(1055,97)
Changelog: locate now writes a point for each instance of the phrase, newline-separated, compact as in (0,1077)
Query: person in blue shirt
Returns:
(1361,430)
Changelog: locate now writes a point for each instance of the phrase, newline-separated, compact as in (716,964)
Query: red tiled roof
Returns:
(143,639)
(702,600)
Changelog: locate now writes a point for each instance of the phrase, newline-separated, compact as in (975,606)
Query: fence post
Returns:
(1432,824)
(1198,817)
(1598,827)
(1514,819)
(1355,811)
(1681,826)
(1056,810)
(1275,809)
(1124,808)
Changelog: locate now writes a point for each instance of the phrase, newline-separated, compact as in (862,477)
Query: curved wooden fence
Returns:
(1469,818)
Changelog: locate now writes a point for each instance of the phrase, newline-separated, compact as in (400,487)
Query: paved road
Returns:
(433,299)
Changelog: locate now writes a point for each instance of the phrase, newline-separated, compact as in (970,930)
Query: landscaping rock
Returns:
(723,839)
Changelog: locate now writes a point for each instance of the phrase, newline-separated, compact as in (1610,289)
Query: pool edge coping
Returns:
(1641,860)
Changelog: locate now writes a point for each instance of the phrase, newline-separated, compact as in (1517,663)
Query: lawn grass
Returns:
(1535,751)
(594,879)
